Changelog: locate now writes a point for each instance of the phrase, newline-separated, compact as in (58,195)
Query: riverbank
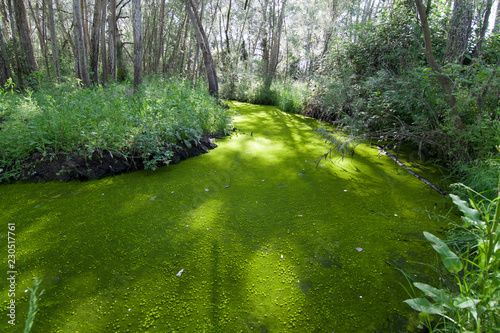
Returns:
(66,133)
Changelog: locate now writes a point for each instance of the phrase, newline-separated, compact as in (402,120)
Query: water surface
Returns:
(268,239)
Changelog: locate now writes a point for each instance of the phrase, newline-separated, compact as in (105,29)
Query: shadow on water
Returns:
(263,240)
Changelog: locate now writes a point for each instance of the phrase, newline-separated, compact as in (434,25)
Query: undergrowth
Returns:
(469,298)
(66,119)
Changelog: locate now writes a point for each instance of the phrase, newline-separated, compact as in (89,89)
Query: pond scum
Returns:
(268,240)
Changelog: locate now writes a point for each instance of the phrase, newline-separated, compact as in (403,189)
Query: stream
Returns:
(254,236)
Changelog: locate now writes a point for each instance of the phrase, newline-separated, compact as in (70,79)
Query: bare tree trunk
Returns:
(226,30)
(85,25)
(159,39)
(41,35)
(20,75)
(443,79)
(460,30)
(138,49)
(81,55)
(213,85)
(484,27)
(112,38)
(104,56)
(28,62)
(496,26)
(53,39)
(95,40)
(5,72)
(275,48)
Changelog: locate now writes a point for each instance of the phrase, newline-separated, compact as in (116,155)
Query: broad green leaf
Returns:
(463,302)
(423,305)
(438,295)
(471,213)
(450,260)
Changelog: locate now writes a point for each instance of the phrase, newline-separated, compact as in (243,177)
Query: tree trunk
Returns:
(41,35)
(484,27)
(95,40)
(104,57)
(496,26)
(112,38)
(14,45)
(443,79)
(275,48)
(53,39)
(28,62)
(5,72)
(159,39)
(213,85)
(81,55)
(85,25)
(138,49)
(460,30)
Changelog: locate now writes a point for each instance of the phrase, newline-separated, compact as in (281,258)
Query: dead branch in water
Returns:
(431,185)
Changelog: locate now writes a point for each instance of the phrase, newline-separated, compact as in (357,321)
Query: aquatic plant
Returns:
(473,304)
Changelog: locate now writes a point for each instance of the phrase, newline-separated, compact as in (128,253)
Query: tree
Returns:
(27,58)
(213,85)
(138,48)
(80,53)
(460,30)
(95,40)
(53,39)
(443,79)
(5,72)
(275,47)
(104,57)
(112,38)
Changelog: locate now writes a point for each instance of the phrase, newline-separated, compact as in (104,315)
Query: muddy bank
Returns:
(67,167)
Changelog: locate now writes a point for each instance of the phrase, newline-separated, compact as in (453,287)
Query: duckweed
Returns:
(115,269)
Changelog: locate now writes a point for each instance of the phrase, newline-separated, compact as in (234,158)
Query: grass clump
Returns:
(66,119)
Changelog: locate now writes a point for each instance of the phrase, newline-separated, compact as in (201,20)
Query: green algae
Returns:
(267,239)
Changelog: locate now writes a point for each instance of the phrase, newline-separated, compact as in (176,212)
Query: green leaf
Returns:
(470,213)
(469,303)
(463,302)
(438,295)
(423,305)
(450,260)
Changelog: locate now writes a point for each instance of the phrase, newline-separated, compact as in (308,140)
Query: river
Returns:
(253,236)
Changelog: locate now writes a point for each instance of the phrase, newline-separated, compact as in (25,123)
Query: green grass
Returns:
(66,119)
(266,239)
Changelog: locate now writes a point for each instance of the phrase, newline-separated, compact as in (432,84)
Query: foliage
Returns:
(473,305)
(288,96)
(66,120)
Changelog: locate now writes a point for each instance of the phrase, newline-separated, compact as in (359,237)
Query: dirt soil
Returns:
(66,167)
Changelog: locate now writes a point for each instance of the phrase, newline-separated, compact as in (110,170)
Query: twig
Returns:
(431,185)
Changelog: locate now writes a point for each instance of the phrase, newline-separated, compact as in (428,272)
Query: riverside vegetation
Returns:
(84,126)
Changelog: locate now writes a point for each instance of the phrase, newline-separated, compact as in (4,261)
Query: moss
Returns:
(270,247)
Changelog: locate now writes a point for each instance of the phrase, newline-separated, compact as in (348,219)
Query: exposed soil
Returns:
(66,167)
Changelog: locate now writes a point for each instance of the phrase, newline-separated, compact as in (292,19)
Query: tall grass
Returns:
(66,119)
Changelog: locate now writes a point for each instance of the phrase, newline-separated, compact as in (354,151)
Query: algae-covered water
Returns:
(263,239)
